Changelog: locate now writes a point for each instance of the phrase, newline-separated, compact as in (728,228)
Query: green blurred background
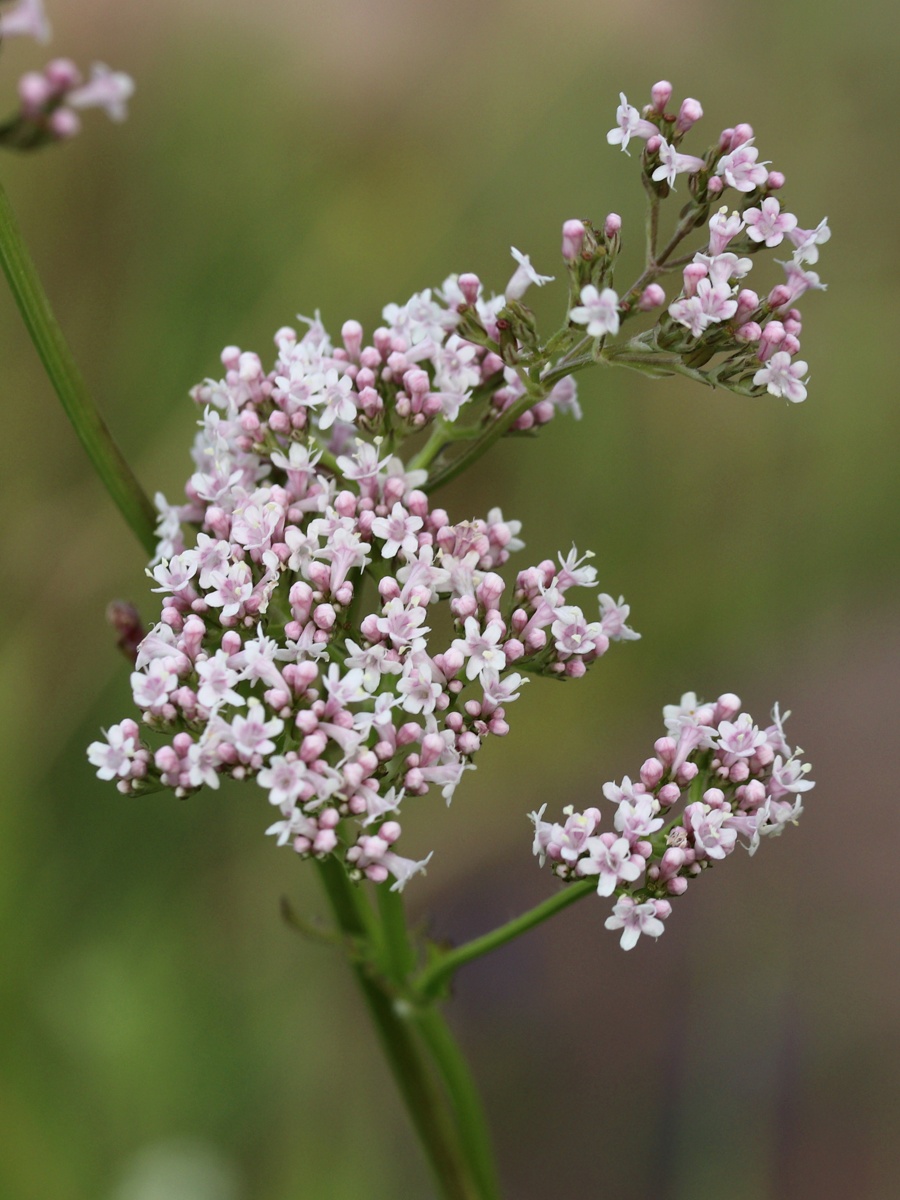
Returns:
(164,1036)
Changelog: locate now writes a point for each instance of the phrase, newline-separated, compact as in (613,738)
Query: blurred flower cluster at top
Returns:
(50,100)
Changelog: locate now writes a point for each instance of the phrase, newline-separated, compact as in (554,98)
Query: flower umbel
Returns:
(739,783)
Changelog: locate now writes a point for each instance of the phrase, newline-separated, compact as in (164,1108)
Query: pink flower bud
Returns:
(665,748)
(653,143)
(740,134)
(779,296)
(652,772)
(791,344)
(572,239)
(747,302)
(468,743)
(660,94)
(668,794)
(715,185)
(771,338)
(689,114)
(313,746)
(231,642)
(351,333)
(514,650)
(653,296)
(748,333)
(34,92)
(62,74)
(612,225)
(686,772)
(470,286)
(693,273)
(774,181)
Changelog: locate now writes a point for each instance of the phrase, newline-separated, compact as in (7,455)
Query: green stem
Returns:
(400,957)
(68,382)
(470,1115)
(482,444)
(431,980)
(445,1053)
(424,1102)
(656,264)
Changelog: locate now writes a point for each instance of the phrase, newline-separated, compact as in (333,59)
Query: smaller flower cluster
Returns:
(754,339)
(50,100)
(739,781)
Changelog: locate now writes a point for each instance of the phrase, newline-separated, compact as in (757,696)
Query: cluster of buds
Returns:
(738,783)
(50,100)
(295,643)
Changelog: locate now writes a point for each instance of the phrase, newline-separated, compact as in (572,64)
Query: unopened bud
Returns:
(660,94)
(470,286)
(572,239)
(653,296)
(689,114)
(612,225)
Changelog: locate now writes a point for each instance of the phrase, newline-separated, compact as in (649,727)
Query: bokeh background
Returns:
(164,1035)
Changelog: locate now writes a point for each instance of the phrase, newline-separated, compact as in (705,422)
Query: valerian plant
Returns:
(303,577)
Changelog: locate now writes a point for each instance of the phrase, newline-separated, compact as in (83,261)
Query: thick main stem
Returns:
(400,958)
(425,1104)
(108,460)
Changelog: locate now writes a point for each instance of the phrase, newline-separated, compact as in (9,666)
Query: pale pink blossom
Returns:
(634,919)
(672,164)
(107,89)
(399,531)
(768,224)
(113,758)
(723,228)
(629,124)
(611,859)
(27,19)
(740,169)
(481,648)
(781,377)
(808,241)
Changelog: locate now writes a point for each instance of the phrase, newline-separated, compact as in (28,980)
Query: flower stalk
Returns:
(68,382)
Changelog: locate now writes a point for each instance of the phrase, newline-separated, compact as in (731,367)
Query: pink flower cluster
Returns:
(297,643)
(720,315)
(738,781)
(50,100)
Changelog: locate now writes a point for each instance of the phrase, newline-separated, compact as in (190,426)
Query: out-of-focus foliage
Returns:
(162,1030)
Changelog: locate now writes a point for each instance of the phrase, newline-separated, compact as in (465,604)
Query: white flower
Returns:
(524,276)
(107,89)
(634,919)
(629,124)
(671,163)
(113,757)
(599,311)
